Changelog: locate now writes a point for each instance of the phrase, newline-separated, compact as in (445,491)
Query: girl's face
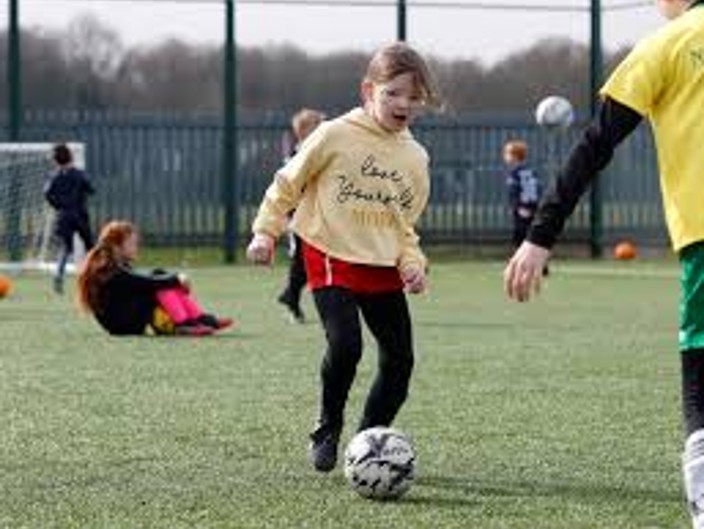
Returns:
(393,104)
(671,9)
(130,247)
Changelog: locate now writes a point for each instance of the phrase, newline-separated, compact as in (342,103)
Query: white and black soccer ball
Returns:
(380,463)
(554,111)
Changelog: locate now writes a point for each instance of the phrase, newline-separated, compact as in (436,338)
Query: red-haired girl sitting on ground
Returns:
(126,302)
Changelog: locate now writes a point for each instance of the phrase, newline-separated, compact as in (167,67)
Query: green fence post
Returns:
(401,20)
(596,219)
(14,80)
(230,193)
(14,117)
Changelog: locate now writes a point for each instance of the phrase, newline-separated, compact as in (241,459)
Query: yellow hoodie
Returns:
(357,189)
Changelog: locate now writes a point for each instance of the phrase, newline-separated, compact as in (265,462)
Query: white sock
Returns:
(693,469)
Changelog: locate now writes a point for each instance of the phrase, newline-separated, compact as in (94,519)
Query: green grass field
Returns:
(563,413)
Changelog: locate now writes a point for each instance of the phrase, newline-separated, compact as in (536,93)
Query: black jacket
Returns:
(67,191)
(127,299)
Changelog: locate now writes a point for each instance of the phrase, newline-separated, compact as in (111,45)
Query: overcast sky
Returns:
(484,34)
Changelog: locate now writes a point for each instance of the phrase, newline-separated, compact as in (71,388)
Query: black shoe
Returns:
(323,450)
(215,323)
(297,315)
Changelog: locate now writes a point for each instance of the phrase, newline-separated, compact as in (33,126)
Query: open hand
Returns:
(524,271)
(185,281)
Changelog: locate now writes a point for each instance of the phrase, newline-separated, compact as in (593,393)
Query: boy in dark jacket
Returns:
(524,188)
(67,191)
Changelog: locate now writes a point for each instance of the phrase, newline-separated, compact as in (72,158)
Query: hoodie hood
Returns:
(359,118)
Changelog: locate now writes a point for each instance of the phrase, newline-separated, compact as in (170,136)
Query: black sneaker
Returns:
(294,309)
(58,285)
(323,450)
(215,323)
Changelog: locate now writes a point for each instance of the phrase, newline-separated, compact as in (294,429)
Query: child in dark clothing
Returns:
(67,192)
(524,188)
(126,302)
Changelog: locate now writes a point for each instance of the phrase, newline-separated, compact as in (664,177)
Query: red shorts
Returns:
(326,271)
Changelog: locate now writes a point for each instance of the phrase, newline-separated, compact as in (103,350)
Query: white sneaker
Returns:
(698,522)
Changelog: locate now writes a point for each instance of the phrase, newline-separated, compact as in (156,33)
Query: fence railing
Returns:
(165,173)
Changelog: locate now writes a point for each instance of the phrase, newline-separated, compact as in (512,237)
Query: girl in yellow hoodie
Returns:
(358,185)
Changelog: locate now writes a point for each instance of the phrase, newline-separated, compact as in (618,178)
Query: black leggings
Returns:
(693,390)
(297,279)
(389,320)
(66,227)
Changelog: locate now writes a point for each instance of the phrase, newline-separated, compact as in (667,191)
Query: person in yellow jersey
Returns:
(358,185)
(662,79)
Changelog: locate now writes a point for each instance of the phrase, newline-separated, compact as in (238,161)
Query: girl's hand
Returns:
(415,280)
(261,249)
(184,280)
(524,271)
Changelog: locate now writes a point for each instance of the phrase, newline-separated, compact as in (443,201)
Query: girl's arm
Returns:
(137,281)
(284,193)
(412,257)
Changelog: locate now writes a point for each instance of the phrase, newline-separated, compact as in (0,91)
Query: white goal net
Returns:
(26,220)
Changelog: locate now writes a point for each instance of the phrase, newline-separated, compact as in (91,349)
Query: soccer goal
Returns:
(26,220)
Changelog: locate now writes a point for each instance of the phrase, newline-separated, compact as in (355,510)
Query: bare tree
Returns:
(94,53)
(172,76)
(88,67)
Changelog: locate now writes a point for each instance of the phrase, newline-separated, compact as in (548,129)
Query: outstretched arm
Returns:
(283,195)
(412,262)
(141,282)
(611,126)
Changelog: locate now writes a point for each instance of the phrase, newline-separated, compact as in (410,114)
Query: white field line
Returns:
(635,272)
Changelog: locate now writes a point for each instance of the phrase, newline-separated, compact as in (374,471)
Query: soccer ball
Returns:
(162,324)
(554,111)
(5,286)
(625,251)
(380,463)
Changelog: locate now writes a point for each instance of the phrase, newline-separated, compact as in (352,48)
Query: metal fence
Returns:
(164,173)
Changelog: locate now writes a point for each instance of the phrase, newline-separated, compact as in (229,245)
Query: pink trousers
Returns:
(179,304)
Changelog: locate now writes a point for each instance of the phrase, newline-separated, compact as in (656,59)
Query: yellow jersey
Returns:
(663,79)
